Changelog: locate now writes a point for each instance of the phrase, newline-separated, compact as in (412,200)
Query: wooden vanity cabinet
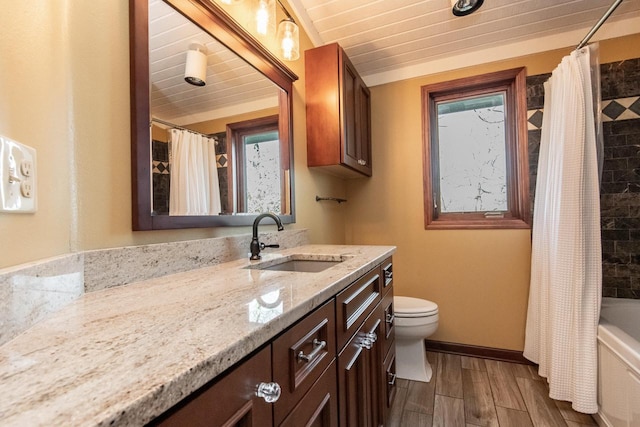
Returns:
(335,367)
(338,113)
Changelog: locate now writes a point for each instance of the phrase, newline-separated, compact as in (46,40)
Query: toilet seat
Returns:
(409,307)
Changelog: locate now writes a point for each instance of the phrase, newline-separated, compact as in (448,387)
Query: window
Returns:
(258,175)
(475,152)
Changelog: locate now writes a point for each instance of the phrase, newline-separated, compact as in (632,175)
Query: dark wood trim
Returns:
(214,20)
(513,82)
(140,115)
(477,351)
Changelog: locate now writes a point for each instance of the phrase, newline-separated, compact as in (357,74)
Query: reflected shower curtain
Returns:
(194,188)
(566,265)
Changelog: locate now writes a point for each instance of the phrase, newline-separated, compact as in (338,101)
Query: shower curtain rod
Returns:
(596,27)
(166,123)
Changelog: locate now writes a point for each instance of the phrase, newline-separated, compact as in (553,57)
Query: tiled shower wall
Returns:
(620,189)
(161,177)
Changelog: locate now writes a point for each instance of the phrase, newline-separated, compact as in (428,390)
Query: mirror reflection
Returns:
(215,146)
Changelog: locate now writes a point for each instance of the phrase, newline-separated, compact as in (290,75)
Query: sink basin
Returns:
(300,263)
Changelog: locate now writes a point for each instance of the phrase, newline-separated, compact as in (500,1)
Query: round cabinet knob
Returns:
(371,336)
(366,343)
(362,162)
(270,392)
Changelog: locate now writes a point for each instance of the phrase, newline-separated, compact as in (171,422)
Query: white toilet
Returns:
(415,320)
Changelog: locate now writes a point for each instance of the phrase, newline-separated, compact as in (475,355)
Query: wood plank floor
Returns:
(468,391)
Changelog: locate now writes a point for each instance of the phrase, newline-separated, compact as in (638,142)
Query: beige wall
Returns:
(34,108)
(479,278)
(64,90)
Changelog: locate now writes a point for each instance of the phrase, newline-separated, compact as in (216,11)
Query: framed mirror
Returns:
(241,115)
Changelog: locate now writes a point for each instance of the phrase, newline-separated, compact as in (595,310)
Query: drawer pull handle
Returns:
(393,379)
(362,162)
(372,337)
(317,348)
(270,392)
(390,318)
(388,274)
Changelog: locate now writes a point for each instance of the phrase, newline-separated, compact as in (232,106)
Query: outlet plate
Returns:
(18,184)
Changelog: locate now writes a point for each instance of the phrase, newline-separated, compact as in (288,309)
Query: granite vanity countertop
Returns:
(122,356)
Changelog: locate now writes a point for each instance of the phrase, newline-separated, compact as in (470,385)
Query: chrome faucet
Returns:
(256,246)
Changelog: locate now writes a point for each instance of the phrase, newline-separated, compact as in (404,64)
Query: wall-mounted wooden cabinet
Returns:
(338,114)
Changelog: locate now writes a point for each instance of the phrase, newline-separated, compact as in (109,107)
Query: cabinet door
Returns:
(363,128)
(350,113)
(230,401)
(319,406)
(356,119)
(360,376)
(389,383)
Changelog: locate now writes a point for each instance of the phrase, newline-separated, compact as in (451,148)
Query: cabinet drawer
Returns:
(319,407)
(390,381)
(301,355)
(355,303)
(386,308)
(387,274)
(230,400)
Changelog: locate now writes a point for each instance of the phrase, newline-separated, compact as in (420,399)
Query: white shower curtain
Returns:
(566,265)
(194,188)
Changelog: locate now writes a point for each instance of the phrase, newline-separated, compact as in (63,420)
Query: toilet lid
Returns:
(413,307)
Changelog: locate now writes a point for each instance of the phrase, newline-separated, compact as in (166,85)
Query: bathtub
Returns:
(619,363)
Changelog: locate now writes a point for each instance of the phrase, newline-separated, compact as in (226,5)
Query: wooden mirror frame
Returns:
(215,21)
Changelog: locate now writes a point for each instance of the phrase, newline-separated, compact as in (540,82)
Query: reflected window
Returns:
(266,308)
(258,174)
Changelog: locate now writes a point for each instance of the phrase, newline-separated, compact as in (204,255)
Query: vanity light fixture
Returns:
(465,7)
(266,17)
(288,37)
(195,69)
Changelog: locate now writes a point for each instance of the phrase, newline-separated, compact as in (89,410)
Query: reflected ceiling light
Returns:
(288,37)
(195,69)
(230,1)
(266,17)
(465,7)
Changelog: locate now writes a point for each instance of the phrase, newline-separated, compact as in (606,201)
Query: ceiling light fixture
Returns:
(288,37)
(195,69)
(465,7)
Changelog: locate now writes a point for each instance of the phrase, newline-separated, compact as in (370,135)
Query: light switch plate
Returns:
(18,185)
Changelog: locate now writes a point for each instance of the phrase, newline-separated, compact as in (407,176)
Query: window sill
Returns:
(479,224)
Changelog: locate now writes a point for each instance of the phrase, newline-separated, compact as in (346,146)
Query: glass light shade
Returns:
(265,17)
(289,40)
